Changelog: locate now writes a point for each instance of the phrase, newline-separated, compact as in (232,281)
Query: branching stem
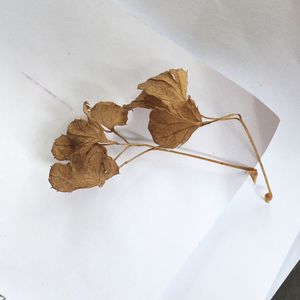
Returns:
(238,117)
(120,136)
(136,156)
(125,149)
(158,148)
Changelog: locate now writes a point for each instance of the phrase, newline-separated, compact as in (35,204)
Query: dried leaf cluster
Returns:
(173,118)
(84,147)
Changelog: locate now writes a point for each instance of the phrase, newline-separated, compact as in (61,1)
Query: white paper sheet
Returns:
(128,239)
(289,263)
(256,44)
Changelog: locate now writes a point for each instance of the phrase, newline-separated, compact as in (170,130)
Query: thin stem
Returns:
(268,196)
(157,148)
(125,148)
(223,163)
(224,118)
(136,156)
(108,143)
(119,135)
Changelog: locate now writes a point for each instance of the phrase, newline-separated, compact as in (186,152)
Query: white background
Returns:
(256,44)
(88,245)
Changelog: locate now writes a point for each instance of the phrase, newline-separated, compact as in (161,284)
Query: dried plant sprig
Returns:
(173,119)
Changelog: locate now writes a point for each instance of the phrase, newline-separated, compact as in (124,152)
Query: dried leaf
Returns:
(107,114)
(145,101)
(169,130)
(62,148)
(176,78)
(162,91)
(93,171)
(174,117)
(181,78)
(83,135)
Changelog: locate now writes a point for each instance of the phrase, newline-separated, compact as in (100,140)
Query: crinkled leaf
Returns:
(181,79)
(176,78)
(106,113)
(83,135)
(95,168)
(62,148)
(174,116)
(169,130)
(162,91)
(189,111)
(166,87)
(145,101)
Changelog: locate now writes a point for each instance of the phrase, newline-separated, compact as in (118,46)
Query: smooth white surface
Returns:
(289,263)
(256,44)
(128,239)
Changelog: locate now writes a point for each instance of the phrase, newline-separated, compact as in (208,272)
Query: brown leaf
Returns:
(145,101)
(176,78)
(174,116)
(171,130)
(181,79)
(62,148)
(162,91)
(93,171)
(107,114)
(83,135)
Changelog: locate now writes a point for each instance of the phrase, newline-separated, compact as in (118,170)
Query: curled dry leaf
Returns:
(81,135)
(83,172)
(107,114)
(62,148)
(174,116)
(89,163)
(162,91)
